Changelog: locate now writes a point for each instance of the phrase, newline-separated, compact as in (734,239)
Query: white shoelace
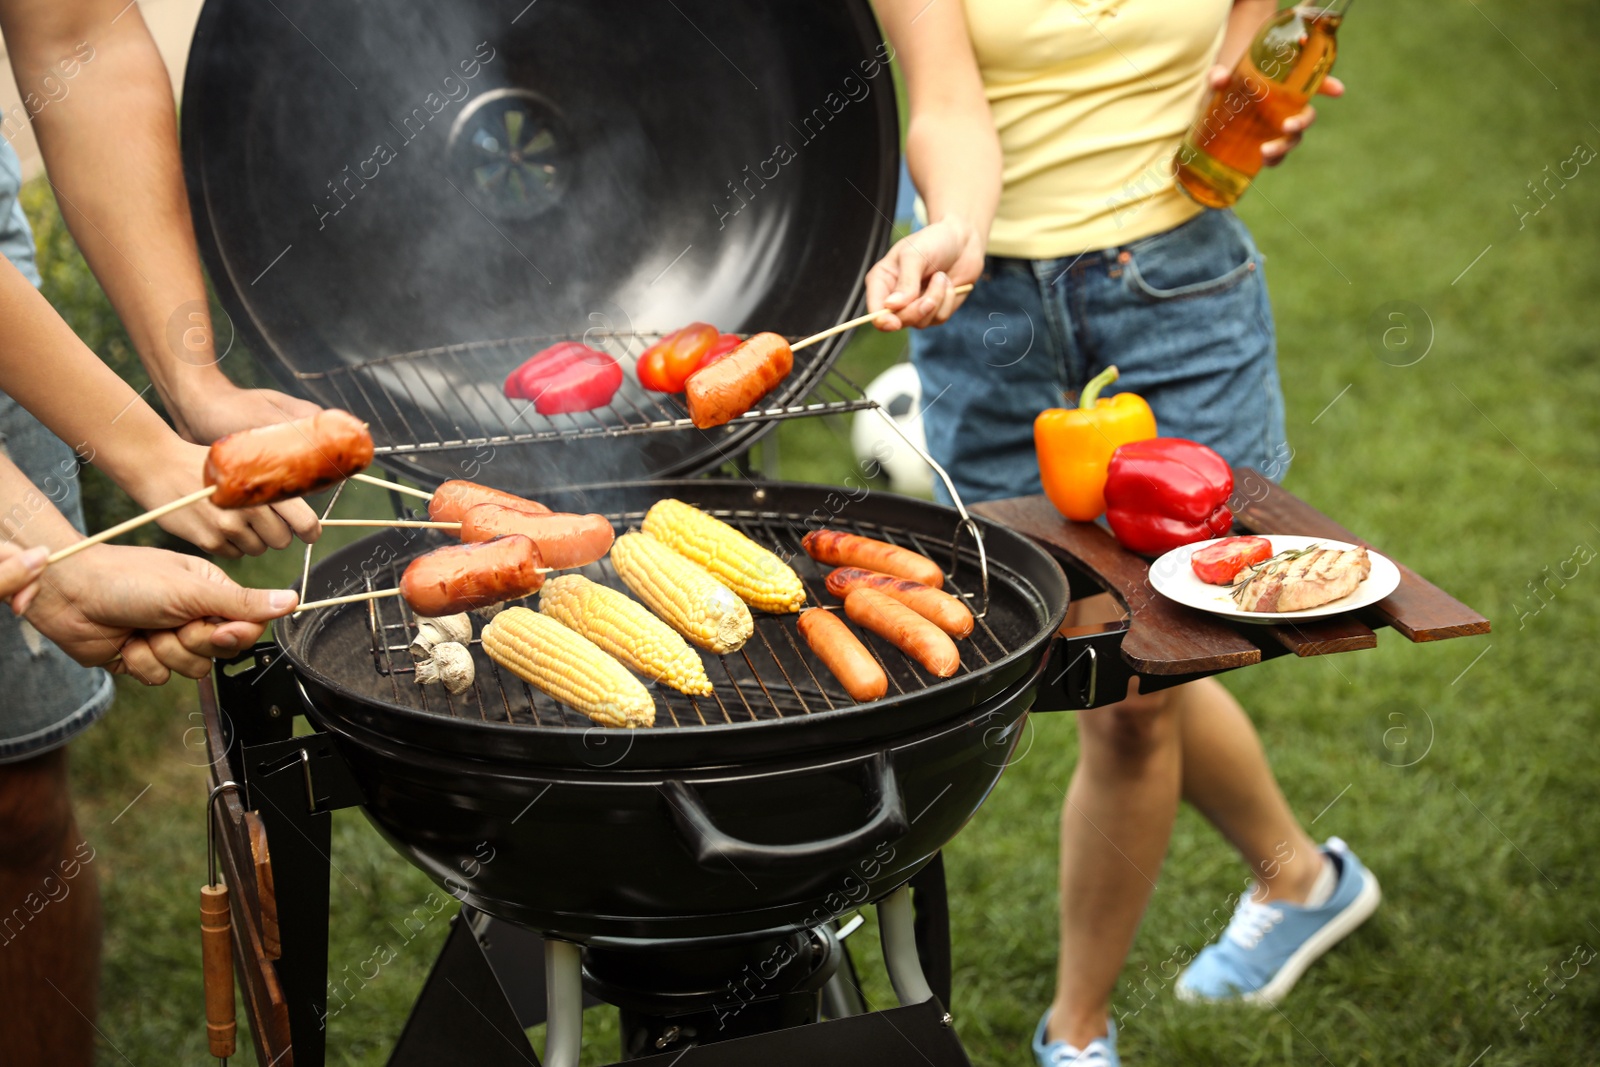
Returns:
(1093,1056)
(1251,922)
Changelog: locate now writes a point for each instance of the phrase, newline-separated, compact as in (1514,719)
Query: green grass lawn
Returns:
(1465,772)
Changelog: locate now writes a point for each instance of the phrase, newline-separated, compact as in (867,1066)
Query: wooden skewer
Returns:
(376,594)
(133,523)
(411,524)
(396,486)
(853,323)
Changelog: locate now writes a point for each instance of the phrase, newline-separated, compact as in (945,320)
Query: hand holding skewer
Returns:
(265,466)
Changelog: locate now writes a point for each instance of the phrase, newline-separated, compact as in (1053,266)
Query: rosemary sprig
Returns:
(1256,570)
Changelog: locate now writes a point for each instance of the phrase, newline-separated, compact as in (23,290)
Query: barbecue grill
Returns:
(603,173)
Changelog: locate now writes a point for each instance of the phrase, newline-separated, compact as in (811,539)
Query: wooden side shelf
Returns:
(1166,638)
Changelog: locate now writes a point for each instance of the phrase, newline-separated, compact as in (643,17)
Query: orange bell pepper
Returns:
(1075,445)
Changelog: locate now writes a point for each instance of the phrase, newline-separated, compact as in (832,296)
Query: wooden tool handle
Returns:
(216,952)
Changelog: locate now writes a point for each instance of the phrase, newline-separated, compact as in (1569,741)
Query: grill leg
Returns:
(462,1014)
(563,982)
(897,925)
(932,901)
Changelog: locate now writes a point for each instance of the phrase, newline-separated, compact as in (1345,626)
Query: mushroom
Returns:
(432,632)
(450,663)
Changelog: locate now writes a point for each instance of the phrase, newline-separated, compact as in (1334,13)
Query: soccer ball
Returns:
(877,446)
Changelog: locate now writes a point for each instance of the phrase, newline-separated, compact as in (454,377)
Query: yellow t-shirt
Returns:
(1092,99)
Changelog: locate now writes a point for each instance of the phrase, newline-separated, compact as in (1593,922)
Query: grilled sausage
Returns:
(459,578)
(849,550)
(274,463)
(946,612)
(843,653)
(729,387)
(452,500)
(563,540)
(903,628)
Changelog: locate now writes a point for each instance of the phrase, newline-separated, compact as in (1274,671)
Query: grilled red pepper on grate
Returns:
(667,364)
(1165,492)
(566,377)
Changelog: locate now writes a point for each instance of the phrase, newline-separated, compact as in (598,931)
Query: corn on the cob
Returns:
(759,577)
(626,629)
(682,593)
(569,667)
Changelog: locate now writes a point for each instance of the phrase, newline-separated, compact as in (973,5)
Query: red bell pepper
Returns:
(1165,492)
(667,364)
(566,377)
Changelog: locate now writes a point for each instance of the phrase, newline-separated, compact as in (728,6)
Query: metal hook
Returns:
(967,521)
(211,826)
(969,524)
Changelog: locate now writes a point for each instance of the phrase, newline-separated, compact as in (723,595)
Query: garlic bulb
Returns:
(450,663)
(431,632)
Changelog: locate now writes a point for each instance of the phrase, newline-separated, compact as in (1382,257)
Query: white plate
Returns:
(1173,577)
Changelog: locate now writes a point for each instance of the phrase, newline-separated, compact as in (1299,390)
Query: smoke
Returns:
(355,161)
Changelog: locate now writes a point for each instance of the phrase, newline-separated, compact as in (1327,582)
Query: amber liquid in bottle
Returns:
(1276,79)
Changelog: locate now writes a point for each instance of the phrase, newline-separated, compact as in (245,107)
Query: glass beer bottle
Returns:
(1276,79)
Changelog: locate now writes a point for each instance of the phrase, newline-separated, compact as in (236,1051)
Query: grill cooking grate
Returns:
(773,676)
(438,399)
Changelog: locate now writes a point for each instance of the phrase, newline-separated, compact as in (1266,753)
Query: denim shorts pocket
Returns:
(1205,256)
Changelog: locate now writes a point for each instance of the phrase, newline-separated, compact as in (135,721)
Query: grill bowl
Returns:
(728,828)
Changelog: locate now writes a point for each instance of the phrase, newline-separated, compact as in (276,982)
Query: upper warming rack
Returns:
(446,398)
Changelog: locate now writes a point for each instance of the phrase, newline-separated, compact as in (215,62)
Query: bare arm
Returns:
(46,369)
(138,611)
(106,123)
(1243,22)
(954,157)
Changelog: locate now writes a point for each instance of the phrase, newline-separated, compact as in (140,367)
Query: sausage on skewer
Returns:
(452,500)
(563,540)
(730,387)
(270,464)
(459,578)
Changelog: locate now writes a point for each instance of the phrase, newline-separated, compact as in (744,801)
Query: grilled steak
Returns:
(1301,579)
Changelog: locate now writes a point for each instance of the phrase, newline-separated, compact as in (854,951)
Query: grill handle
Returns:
(714,847)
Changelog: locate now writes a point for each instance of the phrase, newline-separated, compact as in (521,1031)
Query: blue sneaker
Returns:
(1267,947)
(1101,1052)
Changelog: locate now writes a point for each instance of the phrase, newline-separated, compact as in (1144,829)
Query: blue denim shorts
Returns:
(48,698)
(1183,315)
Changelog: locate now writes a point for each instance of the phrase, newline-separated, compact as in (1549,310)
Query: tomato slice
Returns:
(1220,563)
(667,364)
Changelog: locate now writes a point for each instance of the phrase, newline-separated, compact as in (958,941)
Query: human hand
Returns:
(147,612)
(1294,127)
(218,407)
(19,570)
(228,532)
(914,281)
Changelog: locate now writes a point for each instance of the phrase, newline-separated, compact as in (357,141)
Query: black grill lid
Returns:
(380,182)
